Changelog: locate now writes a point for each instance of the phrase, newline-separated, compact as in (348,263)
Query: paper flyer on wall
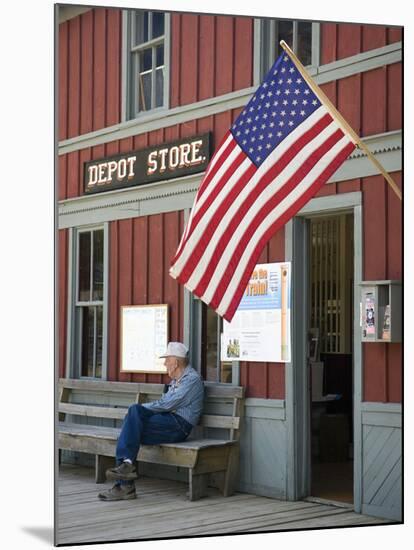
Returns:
(260,328)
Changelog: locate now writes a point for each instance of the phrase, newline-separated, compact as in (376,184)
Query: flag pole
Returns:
(339,118)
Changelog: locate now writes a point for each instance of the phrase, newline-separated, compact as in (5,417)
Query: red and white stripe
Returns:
(238,207)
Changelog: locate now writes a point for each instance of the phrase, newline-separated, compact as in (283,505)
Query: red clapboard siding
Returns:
(62,174)
(113,309)
(114,66)
(74,77)
(349,100)
(224,54)
(140,270)
(171,289)
(328,37)
(86,60)
(394,34)
(84,156)
(73,174)
(394,97)
(243,55)
(189,58)
(175,71)
(156,259)
(375,372)
(63,285)
(375,235)
(206,56)
(374,87)
(63,79)
(394,231)
(349,40)
(373,36)
(124,273)
(394,373)
(99,68)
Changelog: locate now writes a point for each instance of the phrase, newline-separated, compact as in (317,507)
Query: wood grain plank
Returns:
(328,42)
(113,67)
(175,73)
(348,39)
(86,64)
(394,96)
(189,58)
(373,36)
(113,306)
(243,52)
(206,56)
(99,68)
(63,79)
(374,102)
(74,78)
(224,54)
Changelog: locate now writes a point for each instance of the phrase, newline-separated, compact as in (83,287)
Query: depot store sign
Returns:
(170,160)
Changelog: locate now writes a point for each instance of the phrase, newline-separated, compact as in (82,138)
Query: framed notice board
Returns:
(144,337)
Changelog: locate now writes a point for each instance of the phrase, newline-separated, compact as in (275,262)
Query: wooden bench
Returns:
(211,453)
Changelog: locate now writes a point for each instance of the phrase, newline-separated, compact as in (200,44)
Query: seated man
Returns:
(167,420)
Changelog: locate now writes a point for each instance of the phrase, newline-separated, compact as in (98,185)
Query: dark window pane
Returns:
(157,24)
(87,336)
(144,91)
(305,42)
(84,267)
(141,28)
(159,88)
(160,56)
(145,60)
(285,32)
(97,265)
(99,336)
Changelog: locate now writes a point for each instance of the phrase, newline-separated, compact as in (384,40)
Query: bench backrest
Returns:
(223,403)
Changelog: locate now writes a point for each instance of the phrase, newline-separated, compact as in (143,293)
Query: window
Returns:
(213,369)
(147,61)
(301,36)
(89,304)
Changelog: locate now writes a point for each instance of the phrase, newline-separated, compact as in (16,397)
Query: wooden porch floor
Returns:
(162,510)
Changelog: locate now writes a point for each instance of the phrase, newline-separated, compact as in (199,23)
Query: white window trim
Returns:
(126,92)
(73,303)
(258,65)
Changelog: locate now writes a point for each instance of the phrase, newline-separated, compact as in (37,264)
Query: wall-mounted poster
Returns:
(260,328)
(144,337)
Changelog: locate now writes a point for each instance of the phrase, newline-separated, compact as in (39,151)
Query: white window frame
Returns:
(130,108)
(259,69)
(73,363)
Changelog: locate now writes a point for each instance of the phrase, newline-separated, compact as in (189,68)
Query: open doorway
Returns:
(330,358)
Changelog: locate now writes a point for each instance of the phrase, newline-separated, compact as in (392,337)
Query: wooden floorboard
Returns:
(162,510)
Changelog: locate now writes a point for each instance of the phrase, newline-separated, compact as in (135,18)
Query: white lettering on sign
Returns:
(104,172)
(177,156)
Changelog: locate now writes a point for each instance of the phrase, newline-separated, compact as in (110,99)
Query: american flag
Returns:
(278,153)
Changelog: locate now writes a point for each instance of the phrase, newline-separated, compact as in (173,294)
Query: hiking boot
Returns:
(123,471)
(119,492)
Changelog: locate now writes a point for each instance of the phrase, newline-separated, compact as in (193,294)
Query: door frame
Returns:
(296,372)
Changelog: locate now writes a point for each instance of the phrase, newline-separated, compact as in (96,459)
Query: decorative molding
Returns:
(178,194)
(164,118)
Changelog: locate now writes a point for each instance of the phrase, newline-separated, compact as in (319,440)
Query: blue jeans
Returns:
(143,426)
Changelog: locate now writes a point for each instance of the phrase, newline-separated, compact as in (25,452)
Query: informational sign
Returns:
(156,163)
(144,337)
(260,328)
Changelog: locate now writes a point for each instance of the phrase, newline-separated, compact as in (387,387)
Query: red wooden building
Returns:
(134,80)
